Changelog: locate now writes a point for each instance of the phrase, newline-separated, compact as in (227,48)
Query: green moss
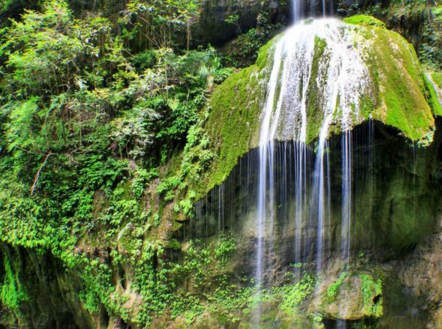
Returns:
(371,289)
(12,293)
(265,53)
(233,124)
(333,289)
(314,113)
(367,105)
(432,97)
(364,20)
(436,76)
(398,81)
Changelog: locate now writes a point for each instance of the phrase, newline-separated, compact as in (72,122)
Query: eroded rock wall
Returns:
(396,197)
(41,292)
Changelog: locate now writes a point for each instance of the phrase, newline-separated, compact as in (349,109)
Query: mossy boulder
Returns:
(234,120)
(405,98)
(351,296)
(401,96)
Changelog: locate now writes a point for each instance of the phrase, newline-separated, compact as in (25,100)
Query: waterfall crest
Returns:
(317,75)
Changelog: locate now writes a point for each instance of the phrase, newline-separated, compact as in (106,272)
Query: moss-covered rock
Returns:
(351,296)
(404,99)
(364,20)
(401,96)
(234,119)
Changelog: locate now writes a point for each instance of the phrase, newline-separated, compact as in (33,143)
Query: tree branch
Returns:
(37,175)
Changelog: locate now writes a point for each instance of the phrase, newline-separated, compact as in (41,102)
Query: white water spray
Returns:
(347,178)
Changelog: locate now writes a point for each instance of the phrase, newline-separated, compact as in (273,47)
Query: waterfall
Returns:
(315,83)
(290,201)
(315,59)
(297,10)
(346,146)
(318,9)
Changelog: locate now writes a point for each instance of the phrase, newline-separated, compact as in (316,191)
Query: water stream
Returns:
(314,59)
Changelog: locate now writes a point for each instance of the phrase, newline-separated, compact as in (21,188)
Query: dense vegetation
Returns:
(102,109)
(81,113)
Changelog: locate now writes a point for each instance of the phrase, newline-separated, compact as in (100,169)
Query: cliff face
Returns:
(174,270)
(212,26)
(395,207)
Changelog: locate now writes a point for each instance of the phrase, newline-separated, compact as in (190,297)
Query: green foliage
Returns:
(333,289)
(12,293)
(371,288)
(4,4)
(225,248)
(167,187)
(145,60)
(431,48)
(197,157)
(85,125)
(294,295)
(234,20)
(317,320)
(97,280)
(84,82)
(157,21)
(55,97)
(163,286)
(244,50)
(141,179)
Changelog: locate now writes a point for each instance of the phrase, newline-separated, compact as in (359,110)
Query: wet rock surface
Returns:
(396,197)
(394,276)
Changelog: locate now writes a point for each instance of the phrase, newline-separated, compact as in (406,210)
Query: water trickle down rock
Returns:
(317,81)
(295,202)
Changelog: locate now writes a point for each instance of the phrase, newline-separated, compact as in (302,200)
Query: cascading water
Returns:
(344,79)
(316,82)
(297,10)
(315,85)
(346,193)
(318,7)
